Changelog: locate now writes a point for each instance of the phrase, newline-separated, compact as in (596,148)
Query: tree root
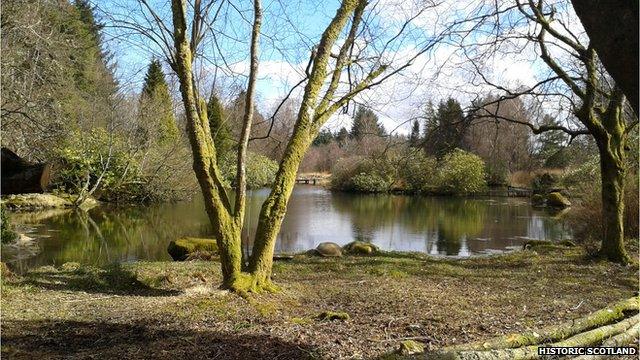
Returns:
(608,315)
(245,283)
(589,338)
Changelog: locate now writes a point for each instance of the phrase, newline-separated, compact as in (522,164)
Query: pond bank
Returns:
(174,310)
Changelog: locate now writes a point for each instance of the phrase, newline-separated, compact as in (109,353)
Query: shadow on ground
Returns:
(113,279)
(101,340)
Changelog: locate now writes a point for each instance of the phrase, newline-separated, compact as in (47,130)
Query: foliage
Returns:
(261,171)
(414,136)
(419,172)
(445,130)
(365,123)
(324,137)
(370,183)
(222,137)
(544,182)
(461,173)
(96,158)
(156,108)
(552,151)
(7,235)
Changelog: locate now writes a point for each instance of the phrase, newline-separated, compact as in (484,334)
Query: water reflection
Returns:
(439,226)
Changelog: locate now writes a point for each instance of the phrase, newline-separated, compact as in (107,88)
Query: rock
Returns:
(537,200)
(555,199)
(35,202)
(333,315)
(360,248)
(410,347)
(329,249)
(183,249)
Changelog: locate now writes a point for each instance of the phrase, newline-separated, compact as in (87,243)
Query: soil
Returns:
(174,310)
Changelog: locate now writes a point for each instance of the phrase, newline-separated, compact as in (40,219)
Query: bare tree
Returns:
(339,68)
(576,84)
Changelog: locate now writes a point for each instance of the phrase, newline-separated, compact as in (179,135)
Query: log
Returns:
(589,338)
(628,337)
(21,177)
(610,314)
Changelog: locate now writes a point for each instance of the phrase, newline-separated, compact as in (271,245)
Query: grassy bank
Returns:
(172,310)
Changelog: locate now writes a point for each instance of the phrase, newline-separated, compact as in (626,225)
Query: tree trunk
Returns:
(612,172)
(20,176)
(274,208)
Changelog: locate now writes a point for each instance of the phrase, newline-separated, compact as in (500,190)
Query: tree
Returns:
(156,108)
(552,149)
(366,122)
(445,131)
(222,137)
(324,137)
(414,136)
(617,46)
(323,95)
(342,136)
(578,83)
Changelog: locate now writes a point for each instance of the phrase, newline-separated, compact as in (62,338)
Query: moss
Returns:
(555,199)
(182,249)
(35,201)
(300,320)
(537,200)
(333,315)
(531,244)
(410,347)
(360,248)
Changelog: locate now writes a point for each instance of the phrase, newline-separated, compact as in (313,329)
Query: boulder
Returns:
(410,347)
(182,249)
(537,200)
(555,199)
(360,248)
(329,249)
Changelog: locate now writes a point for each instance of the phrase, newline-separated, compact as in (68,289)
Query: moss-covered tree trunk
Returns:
(612,172)
(226,228)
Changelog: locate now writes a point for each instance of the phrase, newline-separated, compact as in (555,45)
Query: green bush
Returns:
(261,171)
(544,182)
(7,235)
(497,174)
(363,174)
(370,183)
(96,155)
(418,172)
(461,173)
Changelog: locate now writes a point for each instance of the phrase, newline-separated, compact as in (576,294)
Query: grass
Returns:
(175,310)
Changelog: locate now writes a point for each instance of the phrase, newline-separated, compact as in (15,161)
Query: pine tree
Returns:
(220,131)
(445,131)
(552,145)
(156,105)
(366,122)
(414,136)
(342,136)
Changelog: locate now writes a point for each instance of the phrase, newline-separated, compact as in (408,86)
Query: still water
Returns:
(434,225)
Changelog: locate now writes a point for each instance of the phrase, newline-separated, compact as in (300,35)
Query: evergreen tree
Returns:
(366,122)
(220,131)
(414,137)
(156,105)
(342,136)
(552,145)
(324,137)
(445,130)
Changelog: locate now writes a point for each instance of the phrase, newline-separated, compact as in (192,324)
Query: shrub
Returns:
(261,171)
(363,174)
(7,235)
(461,173)
(370,183)
(418,172)
(544,182)
(93,155)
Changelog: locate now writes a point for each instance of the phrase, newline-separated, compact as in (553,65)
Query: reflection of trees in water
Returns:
(105,235)
(444,221)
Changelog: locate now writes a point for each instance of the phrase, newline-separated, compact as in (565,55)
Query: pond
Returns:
(435,225)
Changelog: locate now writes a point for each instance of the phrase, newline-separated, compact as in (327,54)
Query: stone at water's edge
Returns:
(410,347)
(181,249)
(555,199)
(537,200)
(360,248)
(329,249)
